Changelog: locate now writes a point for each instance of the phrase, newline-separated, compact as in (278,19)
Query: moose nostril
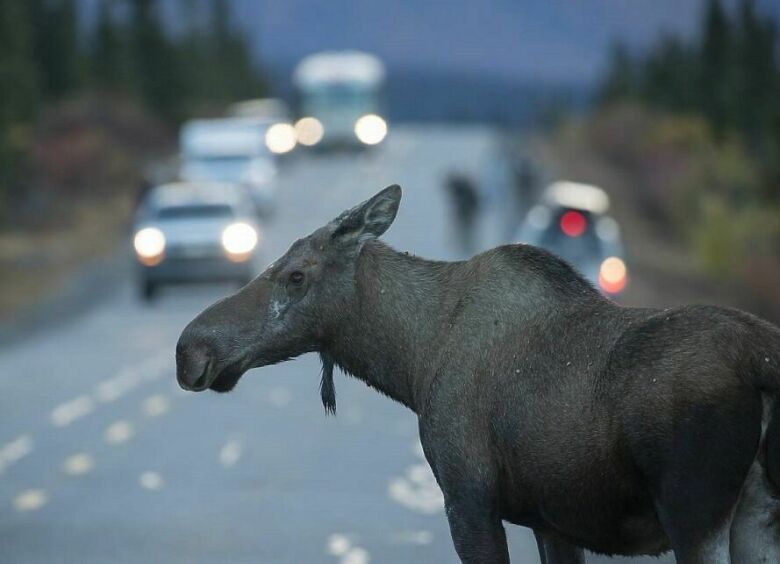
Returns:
(200,383)
(193,366)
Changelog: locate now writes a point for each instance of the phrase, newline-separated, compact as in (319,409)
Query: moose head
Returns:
(289,309)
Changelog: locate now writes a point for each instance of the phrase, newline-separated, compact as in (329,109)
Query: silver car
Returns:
(195,231)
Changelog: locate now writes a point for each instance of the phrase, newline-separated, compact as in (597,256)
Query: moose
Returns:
(542,403)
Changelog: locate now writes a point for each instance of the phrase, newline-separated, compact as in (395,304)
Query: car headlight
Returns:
(149,244)
(370,129)
(239,240)
(613,275)
(280,138)
(309,131)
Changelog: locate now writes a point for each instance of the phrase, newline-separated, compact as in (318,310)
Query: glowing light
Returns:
(280,138)
(309,131)
(149,245)
(613,275)
(371,129)
(573,223)
(239,240)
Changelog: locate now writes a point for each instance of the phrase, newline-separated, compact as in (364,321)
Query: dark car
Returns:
(571,221)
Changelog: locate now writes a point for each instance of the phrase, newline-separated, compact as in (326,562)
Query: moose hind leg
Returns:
(713,548)
(554,550)
(703,472)
(755,532)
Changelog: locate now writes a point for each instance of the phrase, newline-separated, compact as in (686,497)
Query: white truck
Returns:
(339,95)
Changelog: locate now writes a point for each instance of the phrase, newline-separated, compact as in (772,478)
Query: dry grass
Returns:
(83,164)
(35,263)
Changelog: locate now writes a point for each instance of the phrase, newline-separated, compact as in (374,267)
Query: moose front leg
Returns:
(476,528)
(554,550)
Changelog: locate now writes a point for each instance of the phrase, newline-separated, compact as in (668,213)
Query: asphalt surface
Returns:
(104,459)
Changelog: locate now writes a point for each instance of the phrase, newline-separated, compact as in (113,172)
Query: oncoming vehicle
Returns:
(195,232)
(571,221)
(230,150)
(280,135)
(339,99)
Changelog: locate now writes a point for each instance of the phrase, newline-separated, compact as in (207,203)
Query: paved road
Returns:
(103,459)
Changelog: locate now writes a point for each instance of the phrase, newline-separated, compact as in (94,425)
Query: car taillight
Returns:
(573,223)
(613,275)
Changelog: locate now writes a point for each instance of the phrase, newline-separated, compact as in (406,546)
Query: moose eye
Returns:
(296,277)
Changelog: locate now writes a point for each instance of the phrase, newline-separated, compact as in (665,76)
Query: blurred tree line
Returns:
(130,52)
(729,75)
(695,124)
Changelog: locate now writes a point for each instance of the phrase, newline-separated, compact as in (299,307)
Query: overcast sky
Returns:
(548,39)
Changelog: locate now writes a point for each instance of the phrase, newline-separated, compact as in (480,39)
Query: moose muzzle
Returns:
(193,364)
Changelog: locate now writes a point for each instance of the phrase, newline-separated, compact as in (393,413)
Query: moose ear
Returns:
(369,219)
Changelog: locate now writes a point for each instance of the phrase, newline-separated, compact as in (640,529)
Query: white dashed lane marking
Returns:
(126,380)
(72,410)
(417,489)
(150,481)
(230,453)
(30,500)
(156,405)
(114,388)
(15,451)
(279,396)
(68,412)
(119,432)
(129,378)
(356,555)
(341,546)
(78,464)
(414,537)
(338,545)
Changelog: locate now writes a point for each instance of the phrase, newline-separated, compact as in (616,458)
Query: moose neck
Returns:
(388,334)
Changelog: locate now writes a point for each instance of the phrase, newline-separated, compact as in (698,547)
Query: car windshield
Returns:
(196,211)
(224,168)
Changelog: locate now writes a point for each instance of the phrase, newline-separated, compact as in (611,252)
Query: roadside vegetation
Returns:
(694,124)
(94,101)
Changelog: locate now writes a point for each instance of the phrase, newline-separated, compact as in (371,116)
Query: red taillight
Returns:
(573,223)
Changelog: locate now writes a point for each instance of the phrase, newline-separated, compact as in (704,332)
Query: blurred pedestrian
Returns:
(465,199)
(524,184)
